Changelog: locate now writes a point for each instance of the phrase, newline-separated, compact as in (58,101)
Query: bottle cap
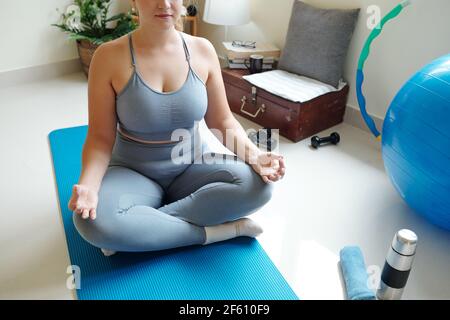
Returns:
(405,242)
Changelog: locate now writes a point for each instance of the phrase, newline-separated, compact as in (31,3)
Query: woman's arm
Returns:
(218,116)
(95,159)
(101,135)
(102,120)
(236,139)
(222,123)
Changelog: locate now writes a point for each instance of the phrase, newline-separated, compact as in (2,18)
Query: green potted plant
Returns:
(87,22)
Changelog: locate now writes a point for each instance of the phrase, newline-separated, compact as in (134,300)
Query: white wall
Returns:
(28,39)
(420,34)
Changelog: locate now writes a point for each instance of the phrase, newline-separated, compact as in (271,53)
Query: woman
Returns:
(136,191)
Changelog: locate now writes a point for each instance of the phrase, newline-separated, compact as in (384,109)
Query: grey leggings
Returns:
(148,202)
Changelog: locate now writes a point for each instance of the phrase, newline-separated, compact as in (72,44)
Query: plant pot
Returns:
(86,50)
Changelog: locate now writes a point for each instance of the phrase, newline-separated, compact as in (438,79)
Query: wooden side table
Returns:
(191,19)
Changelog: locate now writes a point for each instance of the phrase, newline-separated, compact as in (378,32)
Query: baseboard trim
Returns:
(354,118)
(39,73)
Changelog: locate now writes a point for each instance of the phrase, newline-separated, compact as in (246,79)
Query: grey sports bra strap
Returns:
(133,59)
(186,50)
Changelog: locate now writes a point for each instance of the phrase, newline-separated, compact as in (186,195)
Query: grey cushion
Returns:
(317,42)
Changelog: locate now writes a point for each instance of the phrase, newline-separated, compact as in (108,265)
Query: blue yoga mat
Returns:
(235,269)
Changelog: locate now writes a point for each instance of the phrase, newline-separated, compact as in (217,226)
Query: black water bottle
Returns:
(398,264)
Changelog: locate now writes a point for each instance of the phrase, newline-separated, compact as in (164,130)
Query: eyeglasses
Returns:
(245,44)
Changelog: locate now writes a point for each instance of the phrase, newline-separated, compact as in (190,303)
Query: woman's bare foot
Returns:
(107,252)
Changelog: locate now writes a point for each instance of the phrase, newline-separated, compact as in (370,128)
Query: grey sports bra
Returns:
(148,114)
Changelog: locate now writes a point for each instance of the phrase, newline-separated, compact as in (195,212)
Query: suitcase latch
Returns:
(262,108)
(254,95)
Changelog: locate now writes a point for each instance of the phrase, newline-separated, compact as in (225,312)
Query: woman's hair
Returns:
(179,24)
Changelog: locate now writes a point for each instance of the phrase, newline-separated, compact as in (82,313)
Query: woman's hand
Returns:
(269,166)
(84,201)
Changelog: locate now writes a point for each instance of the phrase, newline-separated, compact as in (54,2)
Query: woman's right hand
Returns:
(84,201)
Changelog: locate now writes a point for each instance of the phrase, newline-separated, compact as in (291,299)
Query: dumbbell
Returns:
(316,141)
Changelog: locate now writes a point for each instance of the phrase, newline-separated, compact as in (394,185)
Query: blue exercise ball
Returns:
(416,142)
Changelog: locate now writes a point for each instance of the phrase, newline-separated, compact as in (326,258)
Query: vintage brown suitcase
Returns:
(295,120)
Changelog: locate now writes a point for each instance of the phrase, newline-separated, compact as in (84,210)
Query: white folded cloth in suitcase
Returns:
(291,86)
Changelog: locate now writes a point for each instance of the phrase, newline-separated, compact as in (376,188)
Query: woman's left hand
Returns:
(270,166)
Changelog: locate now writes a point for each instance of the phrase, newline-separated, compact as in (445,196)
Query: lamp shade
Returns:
(227,12)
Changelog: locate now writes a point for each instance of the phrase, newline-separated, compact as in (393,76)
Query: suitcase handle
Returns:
(262,108)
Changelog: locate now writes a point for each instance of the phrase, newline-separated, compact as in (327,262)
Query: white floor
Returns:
(329,198)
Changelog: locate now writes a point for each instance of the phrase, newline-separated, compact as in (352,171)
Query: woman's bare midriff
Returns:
(145,141)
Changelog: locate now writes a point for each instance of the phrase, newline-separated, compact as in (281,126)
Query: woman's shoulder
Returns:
(113,48)
(202,46)
(107,54)
(199,43)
